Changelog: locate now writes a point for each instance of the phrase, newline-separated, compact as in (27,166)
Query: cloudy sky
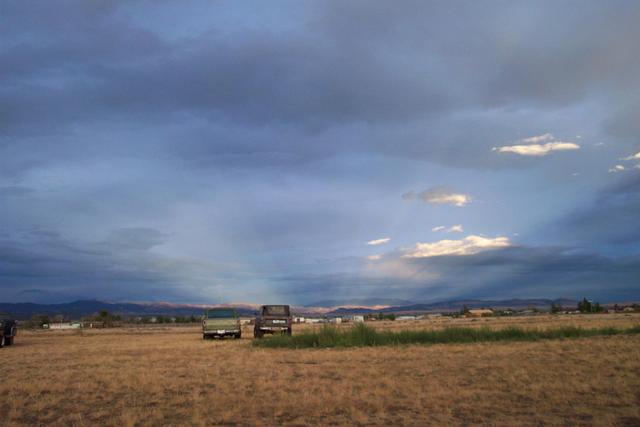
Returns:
(301,151)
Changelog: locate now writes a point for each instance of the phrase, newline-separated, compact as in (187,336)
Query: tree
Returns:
(555,308)
(584,306)
(39,320)
(106,318)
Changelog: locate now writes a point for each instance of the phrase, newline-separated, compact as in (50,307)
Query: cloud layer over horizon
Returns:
(246,152)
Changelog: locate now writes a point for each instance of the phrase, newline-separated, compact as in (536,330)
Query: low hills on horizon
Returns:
(81,308)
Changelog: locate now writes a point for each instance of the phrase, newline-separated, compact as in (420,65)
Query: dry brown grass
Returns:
(543,321)
(170,376)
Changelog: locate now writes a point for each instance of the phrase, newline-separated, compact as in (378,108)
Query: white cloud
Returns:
(468,246)
(537,149)
(533,146)
(618,168)
(374,257)
(439,196)
(537,139)
(632,157)
(455,229)
(379,241)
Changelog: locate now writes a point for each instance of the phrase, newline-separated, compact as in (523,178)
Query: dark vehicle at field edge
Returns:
(8,329)
(273,319)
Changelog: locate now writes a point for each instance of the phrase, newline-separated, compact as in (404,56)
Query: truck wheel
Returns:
(257,333)
(8,341)
(238,335)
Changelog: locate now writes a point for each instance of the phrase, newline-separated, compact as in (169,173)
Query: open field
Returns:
(151,376)
(545,321)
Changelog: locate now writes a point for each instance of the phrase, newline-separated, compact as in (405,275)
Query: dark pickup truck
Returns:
(272,319)
(8,329)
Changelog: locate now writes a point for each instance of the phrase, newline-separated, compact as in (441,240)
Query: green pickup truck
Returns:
(221,322)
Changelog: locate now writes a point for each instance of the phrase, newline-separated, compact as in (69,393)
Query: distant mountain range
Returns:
(78,309)
(457,305)
(361,302)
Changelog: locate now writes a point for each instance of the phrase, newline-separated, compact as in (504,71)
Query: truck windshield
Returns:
(218,314)
(275,310)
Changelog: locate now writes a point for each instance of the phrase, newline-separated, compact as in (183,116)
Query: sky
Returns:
(307,151)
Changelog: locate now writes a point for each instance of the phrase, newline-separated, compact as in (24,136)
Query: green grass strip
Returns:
(362,335)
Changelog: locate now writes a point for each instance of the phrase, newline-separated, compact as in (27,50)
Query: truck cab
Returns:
(8,329)
(221,322)
(272,319)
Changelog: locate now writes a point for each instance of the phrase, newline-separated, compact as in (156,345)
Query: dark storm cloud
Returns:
(573,269)
(625,121)
(537,272)
(58,268)
(137,238)
(610,220)
(14,191)
(410,63)
(505,273)
(210,150)
(76,74)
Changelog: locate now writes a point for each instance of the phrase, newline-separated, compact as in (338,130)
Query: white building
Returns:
(63,325)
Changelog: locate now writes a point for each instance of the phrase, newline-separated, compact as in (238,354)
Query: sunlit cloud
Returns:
(617,168)
(540,145)
(620,168)
(537,139)
(439,196)
(378,241)
(374,257)
(468,246)
(453,229)
(632,157)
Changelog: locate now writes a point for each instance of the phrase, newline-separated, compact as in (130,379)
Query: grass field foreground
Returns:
(139,376)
